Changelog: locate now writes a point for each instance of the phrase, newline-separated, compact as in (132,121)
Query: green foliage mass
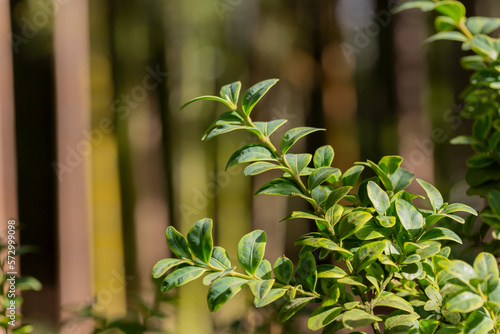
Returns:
(388,252)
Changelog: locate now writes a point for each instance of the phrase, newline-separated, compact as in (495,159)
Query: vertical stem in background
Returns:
(107,228)
(8,184)
(73,117)
(414,128)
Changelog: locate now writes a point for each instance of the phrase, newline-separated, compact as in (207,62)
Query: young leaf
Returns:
(181,276)
(260,288)
(323,157)
(351,175)
(433,194)
(281,186)
(250,153)
(322,316)
(390,164)
(162,266)
(251,250)
(260,167)
(482,25)
(298,162)
(367,254)
(292,307)
(447,36)
(220,259)
(336,195)
(358,318)
(231,92)
(401,179)
(268,128)
(209,97)
(255,93)
(486,267)
(484,46)
(384,178)
(319,176)
(293,135)
(211,278)
(200,239)
(283,269)
(459,207)
(453,9)
(177,243)
(386,221)
(303,215)
(305,273)
(412,220)
(464,302)
(222,129)
(222,290)
(378,197)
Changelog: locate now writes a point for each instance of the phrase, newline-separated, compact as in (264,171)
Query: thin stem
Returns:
(463,28)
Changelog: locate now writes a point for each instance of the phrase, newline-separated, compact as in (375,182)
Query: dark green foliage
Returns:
(389,247)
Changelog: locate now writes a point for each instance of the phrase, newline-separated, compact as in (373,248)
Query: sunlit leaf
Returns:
(251,250)
(255,93)
(223,290)
(293,135)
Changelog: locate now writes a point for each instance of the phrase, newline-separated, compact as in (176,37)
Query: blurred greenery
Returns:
(344,65)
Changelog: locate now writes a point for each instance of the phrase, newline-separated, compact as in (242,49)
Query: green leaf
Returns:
(367,254)
(251,250)
(333,214)
(220,259)
(357,318)
(482,25)
(447,36)
(298,162)
(480,160)
(386,221)
(270,297)
(319,176)
(384,178)
(440,233)
(352,280)
(371,230)
(478,323)
(428,326)
(222,129)
(336,195)
(378,197)
(260,167)
(399,323)
(474,63)
(351,223)
(222,290)
(250,153)
(283,269)
(281,186)
(390,164)
(459,207)
(323,316)
(181,276)
(424,5)
(292,307)
(433,294)
(255,93)
(433,194)
(200,239)
(464,140)
(412,220)
(351,176)
(264,270)
(453,9)
(231,92)
(211,278)
(444,23)
(162,266)
(486,267)
(485,46)
(323,157)
(260,288)
(494,201)
(303,215)
(305,273)
(268,128)
(209,97)
(391,300)
(330,271)
(401,179)
(177,243)
(293,135)
(459,269)
(464,302)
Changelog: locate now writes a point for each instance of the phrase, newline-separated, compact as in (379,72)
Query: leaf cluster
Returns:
(386,251)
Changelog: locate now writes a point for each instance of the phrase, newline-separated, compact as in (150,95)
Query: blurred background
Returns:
(96,160)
